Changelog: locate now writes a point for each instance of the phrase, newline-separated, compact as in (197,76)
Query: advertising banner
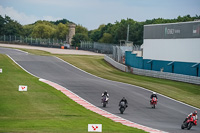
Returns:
(172,30)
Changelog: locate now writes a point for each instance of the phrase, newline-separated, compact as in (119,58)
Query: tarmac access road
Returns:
(52,50)
(167,116)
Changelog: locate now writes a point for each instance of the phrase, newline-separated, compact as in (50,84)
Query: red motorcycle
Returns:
(153,102)
(188,123)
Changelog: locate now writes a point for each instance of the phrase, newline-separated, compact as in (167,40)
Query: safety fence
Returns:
(119,53)
(97,47)
(156,74)
(49,42)
(166,75)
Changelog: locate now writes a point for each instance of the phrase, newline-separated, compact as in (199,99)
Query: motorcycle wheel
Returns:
(182,126)
(154,106)
(122,110)
(104,104)
(189,126)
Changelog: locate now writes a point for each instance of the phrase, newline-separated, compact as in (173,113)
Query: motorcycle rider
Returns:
(153,95)
(125,101)
(195,117)
(105,93)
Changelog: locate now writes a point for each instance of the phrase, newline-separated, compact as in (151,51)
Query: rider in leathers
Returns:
(153,95)
(105,93)
(124,100)
(195,117)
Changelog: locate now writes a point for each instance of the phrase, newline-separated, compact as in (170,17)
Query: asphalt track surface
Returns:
(167,116)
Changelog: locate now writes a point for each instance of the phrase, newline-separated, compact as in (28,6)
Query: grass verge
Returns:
(43,108)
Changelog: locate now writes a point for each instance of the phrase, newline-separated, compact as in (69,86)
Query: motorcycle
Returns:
(188,123)
(105,101)
(153,102)
(122,107)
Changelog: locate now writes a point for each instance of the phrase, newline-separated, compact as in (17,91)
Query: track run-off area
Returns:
(167,117)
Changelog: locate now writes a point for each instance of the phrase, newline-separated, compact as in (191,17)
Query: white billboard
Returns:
(183,50)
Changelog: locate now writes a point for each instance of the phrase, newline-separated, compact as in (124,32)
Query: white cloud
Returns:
(21,17)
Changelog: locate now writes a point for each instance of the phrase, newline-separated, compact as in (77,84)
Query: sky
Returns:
(92,13)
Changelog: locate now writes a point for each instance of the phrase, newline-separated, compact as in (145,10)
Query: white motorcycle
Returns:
(104,100)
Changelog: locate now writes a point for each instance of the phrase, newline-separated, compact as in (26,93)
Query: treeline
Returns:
(113,33)
(109,33)
(40,29)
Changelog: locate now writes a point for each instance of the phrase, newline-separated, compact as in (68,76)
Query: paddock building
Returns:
(172,47)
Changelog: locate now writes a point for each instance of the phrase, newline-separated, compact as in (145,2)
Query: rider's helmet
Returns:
(195,112)
(123,98)
(105,92)
(154,93)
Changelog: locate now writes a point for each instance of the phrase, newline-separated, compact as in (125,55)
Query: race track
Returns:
(168,115)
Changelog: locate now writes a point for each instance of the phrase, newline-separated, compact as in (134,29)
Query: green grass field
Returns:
(43,108)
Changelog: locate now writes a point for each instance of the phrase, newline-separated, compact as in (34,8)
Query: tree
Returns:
(61,31)
(10,27)
(81,29)
(63,21)
(42,31)
(107,38)
(28,29)
(76,40)
(120,31)
(95,35)
(2,21)
(13,28)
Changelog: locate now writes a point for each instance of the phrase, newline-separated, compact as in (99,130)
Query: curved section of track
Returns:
(168,115)
(97,110)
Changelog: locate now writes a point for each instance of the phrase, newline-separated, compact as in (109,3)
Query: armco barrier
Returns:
(116,64)
(156,74)
(165,75)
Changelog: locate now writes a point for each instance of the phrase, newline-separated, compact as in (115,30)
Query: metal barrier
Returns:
(116,64)
(156,74)
(97,47)
(166,75)
(119,53)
